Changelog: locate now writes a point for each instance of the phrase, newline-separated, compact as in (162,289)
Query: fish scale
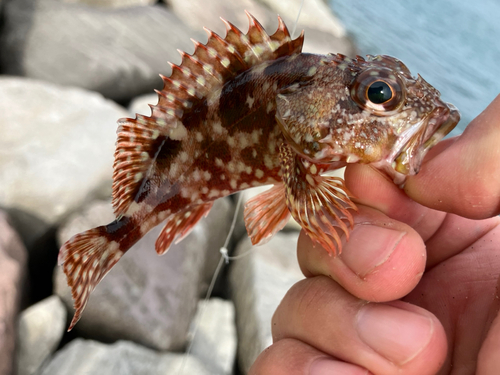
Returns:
(249,110)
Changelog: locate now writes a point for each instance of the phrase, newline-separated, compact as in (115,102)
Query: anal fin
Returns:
(320,204)
(179,225)
(266,214)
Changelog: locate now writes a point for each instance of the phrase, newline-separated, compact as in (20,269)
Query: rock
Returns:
(140,104)
(209,15)
(324,33)
(117,52)
(145,298)
(258,281)
(56,147)
(84,357)
(112,3)
(12,279)
(313,13)
(317,41)
(214,341)
(41,328)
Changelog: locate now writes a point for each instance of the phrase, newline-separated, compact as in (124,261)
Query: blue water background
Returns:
(453,44)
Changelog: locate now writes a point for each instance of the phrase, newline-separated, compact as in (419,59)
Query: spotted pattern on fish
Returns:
(249,110)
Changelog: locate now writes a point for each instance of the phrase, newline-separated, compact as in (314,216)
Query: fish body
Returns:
(250,110)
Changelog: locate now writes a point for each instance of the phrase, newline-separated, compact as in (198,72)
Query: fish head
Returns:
(370,111)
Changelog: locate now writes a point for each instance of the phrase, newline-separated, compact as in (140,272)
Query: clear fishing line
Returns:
(224,258)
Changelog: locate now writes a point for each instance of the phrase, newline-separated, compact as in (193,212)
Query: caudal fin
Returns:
(86,258)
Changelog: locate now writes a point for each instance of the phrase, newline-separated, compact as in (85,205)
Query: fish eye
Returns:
(378,90)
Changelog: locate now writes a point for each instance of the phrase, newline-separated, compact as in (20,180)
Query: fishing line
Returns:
(297,19)
(223,259)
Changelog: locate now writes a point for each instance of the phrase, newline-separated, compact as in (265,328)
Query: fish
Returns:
(249,110)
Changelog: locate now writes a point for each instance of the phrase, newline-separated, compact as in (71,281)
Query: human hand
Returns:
(439,270)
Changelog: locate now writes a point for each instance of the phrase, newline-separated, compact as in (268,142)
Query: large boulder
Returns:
(324,33)
(56,148)
(233,11)
(311,13)
(12,280)
(146,298)
(259,279)
(117,52)
(214,335)
(84,357)
(41,328)
(141,104)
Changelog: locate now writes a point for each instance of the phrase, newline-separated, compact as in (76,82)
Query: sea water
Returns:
(453,44)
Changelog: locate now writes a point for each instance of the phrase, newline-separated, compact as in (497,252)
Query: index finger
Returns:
(465,178)
(444,234)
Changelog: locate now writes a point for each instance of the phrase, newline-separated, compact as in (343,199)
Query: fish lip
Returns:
(432,129)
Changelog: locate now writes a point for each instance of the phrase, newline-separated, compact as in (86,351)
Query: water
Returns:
(453,44)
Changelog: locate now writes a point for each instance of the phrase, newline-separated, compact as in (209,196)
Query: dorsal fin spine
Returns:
(282,27)
(170,98)
(208,68)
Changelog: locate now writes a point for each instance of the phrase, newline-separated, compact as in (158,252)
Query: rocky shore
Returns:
(68,70)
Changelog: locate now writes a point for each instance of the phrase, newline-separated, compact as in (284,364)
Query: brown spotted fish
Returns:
(250,110)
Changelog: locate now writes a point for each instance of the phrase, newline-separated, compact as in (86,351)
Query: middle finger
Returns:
(392,338)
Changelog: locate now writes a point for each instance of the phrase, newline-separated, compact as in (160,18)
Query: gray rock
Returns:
(313,13)
(320,42)
(214,341)
(112,3)
(258,281)
(12,279)
(140,104)
(117,52)
(324,33)
(84,357)
(56,147)
(197,16)
(41,328)
(145,298)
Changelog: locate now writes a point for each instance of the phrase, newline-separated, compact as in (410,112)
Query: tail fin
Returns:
(86,258)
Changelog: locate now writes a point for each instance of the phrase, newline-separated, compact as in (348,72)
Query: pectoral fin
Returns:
(320,204)
(266,214)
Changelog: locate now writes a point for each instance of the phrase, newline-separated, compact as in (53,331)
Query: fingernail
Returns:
(326,366)
(368,247)
(396,334)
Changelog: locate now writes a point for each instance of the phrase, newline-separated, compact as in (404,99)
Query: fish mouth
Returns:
(421,137)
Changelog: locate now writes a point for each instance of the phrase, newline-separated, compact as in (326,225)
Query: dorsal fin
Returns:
(208,68)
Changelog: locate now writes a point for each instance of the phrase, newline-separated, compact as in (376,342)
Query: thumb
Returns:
(464,178)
